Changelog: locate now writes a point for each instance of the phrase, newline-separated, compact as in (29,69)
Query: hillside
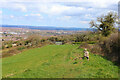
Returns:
(56,61)
(48,27)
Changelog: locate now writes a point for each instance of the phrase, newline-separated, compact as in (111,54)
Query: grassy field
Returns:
(56,61)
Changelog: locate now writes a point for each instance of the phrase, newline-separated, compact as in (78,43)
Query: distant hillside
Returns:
(48,28)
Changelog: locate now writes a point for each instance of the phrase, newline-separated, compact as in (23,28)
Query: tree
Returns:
(105,23)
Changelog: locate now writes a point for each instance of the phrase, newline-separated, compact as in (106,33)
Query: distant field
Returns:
(56,61)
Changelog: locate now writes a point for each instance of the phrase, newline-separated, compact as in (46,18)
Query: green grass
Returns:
(56,61)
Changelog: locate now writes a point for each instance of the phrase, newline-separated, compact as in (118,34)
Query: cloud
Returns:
(84,22)
(59,7)
(26,14)
(0,15)
(36,17)
(64,18)
(70,9)
(91,3)
(31,16)
(20,6)
(89,17)
(0,11)
(35,14)
(53,9)
(13,6)
(11,16)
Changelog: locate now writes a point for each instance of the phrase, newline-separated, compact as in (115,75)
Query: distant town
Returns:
(16,34)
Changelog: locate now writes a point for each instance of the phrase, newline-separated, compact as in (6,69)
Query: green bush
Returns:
(3,47)
(76,42)
(9,45)
(91,42)
(43,40)
(20,48)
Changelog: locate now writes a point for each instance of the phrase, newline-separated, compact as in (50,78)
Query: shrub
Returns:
(20,48)
(91,42)
(9,45)
(76,42)
(12,51)
(43,40)
(3,47)
(110,47)
(95,49)
(80,38)
(84,45)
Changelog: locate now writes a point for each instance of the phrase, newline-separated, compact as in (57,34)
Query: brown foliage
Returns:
(107,47)
(110,47)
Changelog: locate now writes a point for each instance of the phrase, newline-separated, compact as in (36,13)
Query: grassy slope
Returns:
(56,61)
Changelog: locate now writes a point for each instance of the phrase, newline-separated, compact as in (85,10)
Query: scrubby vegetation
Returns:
(107,47)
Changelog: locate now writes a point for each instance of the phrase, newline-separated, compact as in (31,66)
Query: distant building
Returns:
(58,43)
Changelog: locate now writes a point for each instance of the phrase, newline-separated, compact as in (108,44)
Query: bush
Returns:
(76,42)
(20,48)
(107,46)
(110,47)
(81,38)
(12,51)
(95,49)
(84,45)
(91,42)
(43,40)
(3,47)
(9,45)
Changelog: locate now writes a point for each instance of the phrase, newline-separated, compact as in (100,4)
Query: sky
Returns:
(57,13)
